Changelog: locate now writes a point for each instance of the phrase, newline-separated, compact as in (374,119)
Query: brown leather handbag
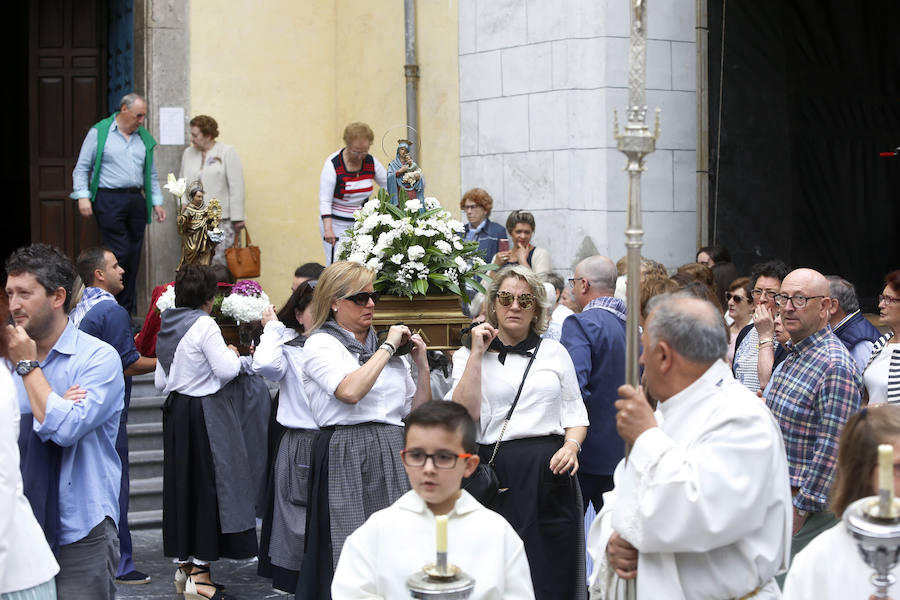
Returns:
(243,262)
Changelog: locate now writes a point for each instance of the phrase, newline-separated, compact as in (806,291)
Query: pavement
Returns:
(238,575)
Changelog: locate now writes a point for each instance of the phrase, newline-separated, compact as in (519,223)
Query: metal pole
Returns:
(635,143)
(411,69)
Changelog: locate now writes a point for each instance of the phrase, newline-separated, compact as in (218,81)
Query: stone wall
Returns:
(538,82)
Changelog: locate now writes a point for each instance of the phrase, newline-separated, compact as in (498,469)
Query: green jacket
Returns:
(149,144)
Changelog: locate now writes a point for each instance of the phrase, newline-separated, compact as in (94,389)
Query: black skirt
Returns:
(545,510)
(191,526)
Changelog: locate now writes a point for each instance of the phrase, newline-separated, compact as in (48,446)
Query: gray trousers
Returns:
(87,568)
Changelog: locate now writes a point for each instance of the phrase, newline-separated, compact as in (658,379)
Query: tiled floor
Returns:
(239,575)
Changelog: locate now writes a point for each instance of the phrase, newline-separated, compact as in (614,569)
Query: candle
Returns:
(885,480)
(441,521)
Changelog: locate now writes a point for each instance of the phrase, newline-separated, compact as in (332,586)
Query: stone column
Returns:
(538,82)
(161,61)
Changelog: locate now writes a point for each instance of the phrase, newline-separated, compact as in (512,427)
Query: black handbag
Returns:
(483,484)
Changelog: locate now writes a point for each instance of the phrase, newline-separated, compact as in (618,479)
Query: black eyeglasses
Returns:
(441,459)
(797,301)
(888,299)
(572,280)
(526,301)
(737,299)
(362,298)
(769,294)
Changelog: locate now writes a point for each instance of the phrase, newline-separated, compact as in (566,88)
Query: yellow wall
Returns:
(284,77)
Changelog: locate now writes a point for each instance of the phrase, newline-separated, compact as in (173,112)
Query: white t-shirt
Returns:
(276,361)
(704,497)
(328,362)
(396,542)
(202,364)
(876,375)
(550,402)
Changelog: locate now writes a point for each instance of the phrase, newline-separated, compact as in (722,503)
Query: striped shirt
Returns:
(812,396)
(342,192)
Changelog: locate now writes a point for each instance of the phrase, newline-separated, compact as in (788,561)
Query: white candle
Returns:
(441,522)
(885,480)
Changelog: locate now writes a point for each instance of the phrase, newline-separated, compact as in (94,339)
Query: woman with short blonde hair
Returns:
(359,391)
(537,448)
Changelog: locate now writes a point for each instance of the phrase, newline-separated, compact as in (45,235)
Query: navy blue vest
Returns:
(857,329)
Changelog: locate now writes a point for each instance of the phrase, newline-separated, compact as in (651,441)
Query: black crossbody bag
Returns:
(483,484)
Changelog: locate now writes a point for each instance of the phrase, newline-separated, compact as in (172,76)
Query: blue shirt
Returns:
(488,234)
(109,322)
(122,166)
(90,473)
(595,339)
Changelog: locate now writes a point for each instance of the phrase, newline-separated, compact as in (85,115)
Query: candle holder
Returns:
(878,539)
(440,580)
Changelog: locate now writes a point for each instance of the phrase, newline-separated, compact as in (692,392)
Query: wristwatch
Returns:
(24,367)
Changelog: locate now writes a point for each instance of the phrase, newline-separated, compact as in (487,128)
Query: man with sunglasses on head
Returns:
(812,396)
(765,282)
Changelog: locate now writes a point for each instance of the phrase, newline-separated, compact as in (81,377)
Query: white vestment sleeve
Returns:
(355,577)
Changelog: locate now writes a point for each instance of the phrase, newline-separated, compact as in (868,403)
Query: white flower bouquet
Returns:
(413,253)
(166,299)
(246,302)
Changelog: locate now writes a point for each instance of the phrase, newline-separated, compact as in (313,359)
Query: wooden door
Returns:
(67,94)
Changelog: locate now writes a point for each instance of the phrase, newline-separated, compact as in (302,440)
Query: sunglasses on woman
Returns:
(362,298)
(526,301)
(737,298)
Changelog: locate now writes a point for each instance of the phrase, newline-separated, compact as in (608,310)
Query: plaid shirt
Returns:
(812,397)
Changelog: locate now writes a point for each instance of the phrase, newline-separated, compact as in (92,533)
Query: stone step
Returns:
(142,385)
(145,519)
(146,494)
(146,409)
(145,436)
(145,463)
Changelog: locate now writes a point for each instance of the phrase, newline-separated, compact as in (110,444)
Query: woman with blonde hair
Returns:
(830,567)
(358,392)
(524,395)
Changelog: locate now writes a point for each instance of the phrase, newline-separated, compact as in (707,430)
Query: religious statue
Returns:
(404,174)
(198,225)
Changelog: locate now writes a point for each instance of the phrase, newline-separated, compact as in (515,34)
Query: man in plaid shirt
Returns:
(812,396)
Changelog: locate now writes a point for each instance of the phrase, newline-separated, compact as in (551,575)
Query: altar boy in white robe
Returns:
(702,506)
(396,542)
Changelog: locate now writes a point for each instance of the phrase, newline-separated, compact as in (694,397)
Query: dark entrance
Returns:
(810,96)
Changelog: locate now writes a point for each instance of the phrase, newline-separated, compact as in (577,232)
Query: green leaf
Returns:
(437,277)
(477,285)
(454,288)
(421,286)
(396,212)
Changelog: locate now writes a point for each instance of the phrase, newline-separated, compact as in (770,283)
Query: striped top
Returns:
(342,192)
(882,373)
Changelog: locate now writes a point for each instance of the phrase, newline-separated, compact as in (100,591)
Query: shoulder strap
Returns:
(515,401)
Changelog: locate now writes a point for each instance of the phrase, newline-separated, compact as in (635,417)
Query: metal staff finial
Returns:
(635,143)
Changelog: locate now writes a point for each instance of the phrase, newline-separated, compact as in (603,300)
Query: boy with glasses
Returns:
(396,542)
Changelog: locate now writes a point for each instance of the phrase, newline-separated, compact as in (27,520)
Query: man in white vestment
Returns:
(702,506)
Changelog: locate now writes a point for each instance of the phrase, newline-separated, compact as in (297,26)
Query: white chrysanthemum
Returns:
(369,223)
(457,244)
(244,309)
(415,252)
(477,260)
(166,299)
(371,205)
(443,246)
(364,243)
(397,259)
(357,257)
(454,225)
(413,205)
(431,203)
(374,264)
(461,264)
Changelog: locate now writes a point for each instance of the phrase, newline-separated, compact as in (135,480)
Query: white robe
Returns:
(831,568)
(396,542)
(704,497)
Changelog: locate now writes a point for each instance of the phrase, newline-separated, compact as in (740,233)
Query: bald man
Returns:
(702,506)
(595,339)
(812,396)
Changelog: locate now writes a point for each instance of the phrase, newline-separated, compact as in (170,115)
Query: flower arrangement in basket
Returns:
(413,253)
(246,302)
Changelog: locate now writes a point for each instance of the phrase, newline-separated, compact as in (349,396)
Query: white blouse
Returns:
(328,362)
(203,363)
(876,375)
(278,362)
(25,557)
(550,402)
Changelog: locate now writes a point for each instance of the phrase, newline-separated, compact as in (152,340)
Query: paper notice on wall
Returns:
(171,126)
